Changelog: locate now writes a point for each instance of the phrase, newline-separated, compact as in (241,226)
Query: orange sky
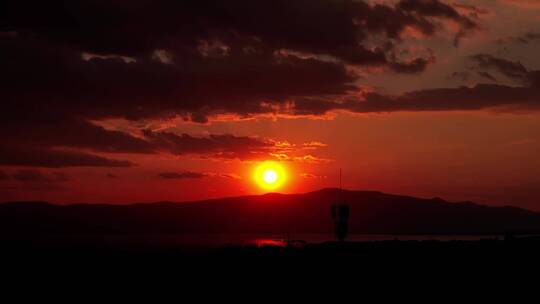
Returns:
(485,157)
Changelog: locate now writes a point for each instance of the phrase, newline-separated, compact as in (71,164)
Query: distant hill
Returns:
(371,213)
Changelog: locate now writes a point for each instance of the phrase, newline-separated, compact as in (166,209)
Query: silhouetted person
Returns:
(340,215)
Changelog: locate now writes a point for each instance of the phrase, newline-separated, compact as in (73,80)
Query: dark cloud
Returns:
(511,69)
(432,8)
(44,61)
(101,88)
(525,38)
(487,76)
(3,176)
(485,65)
(435,8)
(415,66)
(525,97)
(35,176)
(182,175)
(62,131)
(68,63)
(328,27)
(461,76)
(215,146)
(474,12)
(197,175)
(229,176)
(191,58)
(530,36)
(112,176)
(51,158)
(49,150)
(227,146)
(482,96)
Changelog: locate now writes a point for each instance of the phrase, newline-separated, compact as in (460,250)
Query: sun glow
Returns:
(270,175)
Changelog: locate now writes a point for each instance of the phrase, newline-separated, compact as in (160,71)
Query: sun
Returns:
(270,175)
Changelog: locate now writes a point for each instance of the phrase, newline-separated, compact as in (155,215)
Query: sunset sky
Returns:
(142,101)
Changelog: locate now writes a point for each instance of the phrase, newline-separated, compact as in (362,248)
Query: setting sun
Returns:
(270,175)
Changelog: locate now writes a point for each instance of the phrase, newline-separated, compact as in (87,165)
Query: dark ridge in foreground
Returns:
(371,213)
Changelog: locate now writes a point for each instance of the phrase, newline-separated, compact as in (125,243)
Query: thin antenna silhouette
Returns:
(340,179)
(340,186)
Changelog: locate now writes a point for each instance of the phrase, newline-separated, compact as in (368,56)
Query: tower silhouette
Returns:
(340,215)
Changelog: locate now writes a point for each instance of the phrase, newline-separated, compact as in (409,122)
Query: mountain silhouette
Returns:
(370,213)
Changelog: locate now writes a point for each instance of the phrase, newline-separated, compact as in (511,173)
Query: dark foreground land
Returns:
(412,266)
(26,245)
(432,253)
